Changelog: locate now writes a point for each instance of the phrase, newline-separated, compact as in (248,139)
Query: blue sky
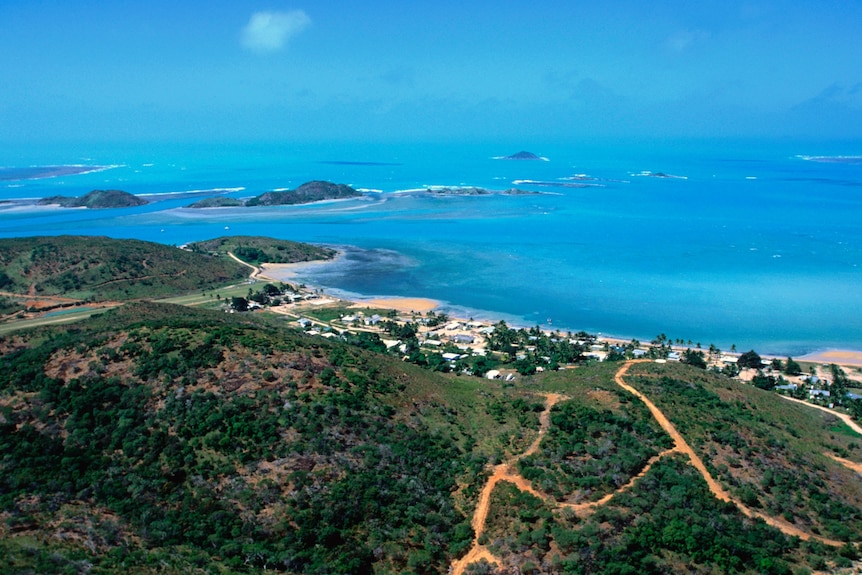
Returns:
(131,70)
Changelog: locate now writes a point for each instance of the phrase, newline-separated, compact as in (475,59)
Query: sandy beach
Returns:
(402,304)
(288,272)
(837,356)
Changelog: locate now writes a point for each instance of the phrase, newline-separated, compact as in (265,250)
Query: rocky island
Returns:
(314,191)
(524,155)
(97,199)
(308,192)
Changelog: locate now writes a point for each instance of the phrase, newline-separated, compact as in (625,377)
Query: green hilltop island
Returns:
(314,191)
(197,416)
(97,199)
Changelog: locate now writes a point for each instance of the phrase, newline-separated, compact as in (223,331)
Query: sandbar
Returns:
(284,272)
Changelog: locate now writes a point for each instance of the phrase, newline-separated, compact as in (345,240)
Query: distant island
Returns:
(662,175)
(314,191)
(523,155)
(217,202)
(97,199)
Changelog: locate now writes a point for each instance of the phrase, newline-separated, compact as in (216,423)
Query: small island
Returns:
(308,192)
(314,191)
(217,202)
(524,155)
(97,199)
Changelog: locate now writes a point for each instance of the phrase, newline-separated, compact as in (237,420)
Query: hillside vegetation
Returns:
(163,434)
(308,192)
(102,268)
(258,250)
(97,199)
(163,439)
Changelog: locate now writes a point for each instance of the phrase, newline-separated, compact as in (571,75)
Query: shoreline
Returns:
(845,357)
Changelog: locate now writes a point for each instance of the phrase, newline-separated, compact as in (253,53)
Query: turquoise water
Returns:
(751,245)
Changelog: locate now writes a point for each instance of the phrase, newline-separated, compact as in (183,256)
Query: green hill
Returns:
(306,193)
(107,269)
(157,438)
(97,199)
(257,250)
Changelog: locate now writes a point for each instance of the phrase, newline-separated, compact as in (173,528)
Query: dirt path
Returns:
(715,487)
(857,467)
(580,508)
(505,472)
(842,416)
(256,272)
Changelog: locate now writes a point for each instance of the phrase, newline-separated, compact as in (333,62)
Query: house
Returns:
(432,342)
(462,338)
(303,322)
(493,374)
(639,352)
(451,356)
(373,320)
(673,356)
(818,393)
(787,387)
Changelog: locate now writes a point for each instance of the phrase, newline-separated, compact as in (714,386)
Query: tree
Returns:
(239,303)
(749,360)
(791,367)
(694,358)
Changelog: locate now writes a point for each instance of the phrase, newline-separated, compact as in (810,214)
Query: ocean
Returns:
(756,245)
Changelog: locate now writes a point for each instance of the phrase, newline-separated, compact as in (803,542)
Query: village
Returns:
(496,351)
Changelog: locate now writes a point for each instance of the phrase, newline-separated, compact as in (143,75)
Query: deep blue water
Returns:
(752,245)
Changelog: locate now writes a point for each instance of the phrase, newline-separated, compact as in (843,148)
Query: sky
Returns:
(159,70)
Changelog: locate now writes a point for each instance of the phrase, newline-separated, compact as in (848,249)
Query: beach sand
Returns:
(836,356)
(288,272)
(404,304)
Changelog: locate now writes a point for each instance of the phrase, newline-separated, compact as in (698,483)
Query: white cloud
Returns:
(270,31)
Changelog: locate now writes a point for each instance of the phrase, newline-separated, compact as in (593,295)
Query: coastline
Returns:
(848,358)
(845,357)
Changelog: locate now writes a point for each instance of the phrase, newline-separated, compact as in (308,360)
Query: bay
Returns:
(752,244)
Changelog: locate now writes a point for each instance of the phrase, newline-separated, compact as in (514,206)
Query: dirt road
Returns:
(505,472)
(714,486)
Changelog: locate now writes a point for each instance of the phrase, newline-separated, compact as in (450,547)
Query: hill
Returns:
(217,202)
(160,438)
(103,268)
(523,155)
(167,439)
(97,199)
(258,250)
(308,192)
